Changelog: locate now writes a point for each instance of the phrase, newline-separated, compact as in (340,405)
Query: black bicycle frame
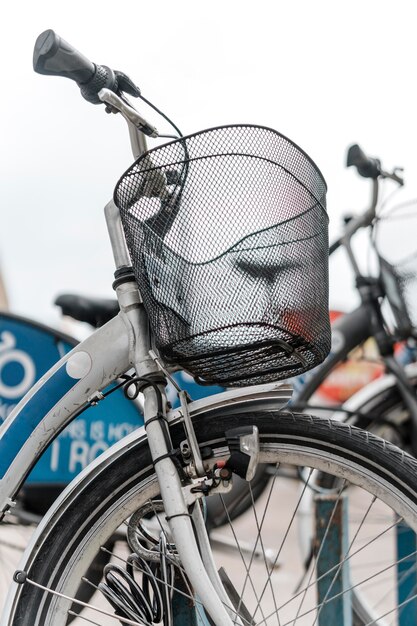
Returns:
(348,332)
(354,328)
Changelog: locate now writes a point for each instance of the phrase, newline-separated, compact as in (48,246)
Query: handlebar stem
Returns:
(117,238)
(137,140)
(137,124)
(360,222)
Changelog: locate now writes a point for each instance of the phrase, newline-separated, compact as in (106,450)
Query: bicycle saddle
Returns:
(94,311)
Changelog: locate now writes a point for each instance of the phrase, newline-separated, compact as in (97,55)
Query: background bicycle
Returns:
(383,289)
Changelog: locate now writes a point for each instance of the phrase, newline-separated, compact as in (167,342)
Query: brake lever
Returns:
(394,175)
(130,114)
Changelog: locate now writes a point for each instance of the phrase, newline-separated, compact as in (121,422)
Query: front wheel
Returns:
(358,525)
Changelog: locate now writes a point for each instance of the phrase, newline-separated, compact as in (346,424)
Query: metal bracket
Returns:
(197,461)
(7,506)
(196,489)
(95,398)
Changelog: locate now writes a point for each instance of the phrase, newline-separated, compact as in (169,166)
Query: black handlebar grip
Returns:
(366,166)
(54,56)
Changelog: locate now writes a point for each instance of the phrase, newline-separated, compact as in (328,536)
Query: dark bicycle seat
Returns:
(94,311)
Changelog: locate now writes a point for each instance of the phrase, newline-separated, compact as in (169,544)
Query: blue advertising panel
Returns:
(27,351)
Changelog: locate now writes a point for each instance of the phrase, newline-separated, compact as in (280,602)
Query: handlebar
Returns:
(369,167)
(54,56)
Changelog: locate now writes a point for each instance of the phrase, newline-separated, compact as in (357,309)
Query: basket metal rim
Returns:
(213,128)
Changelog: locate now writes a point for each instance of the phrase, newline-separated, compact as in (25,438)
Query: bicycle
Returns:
(389,403)
(192,453)
(392,285)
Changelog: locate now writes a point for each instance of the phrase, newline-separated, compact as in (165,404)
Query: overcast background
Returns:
(324,73)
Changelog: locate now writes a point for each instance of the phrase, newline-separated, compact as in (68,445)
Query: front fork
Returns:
(202,575)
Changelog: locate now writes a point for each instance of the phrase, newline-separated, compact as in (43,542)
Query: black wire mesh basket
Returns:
(397,251)
(227,231)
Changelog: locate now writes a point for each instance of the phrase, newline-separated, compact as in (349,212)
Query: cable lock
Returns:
(149,603)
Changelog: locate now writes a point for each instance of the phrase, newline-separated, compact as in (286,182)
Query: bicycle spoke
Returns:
(83,617)
(398,582)
(321,547)
(259,538)
(355,586)
(231,526)
(314,582)
(306,484)
(86,605)
(396,608)
(339,568)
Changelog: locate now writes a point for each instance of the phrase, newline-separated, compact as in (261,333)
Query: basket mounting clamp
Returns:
(196,463)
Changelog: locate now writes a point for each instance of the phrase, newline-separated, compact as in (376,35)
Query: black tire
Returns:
(365,463)
(386,415)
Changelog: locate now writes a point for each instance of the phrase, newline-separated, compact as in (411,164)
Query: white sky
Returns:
(325,73)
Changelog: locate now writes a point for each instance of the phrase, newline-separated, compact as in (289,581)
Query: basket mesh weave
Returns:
(227,231)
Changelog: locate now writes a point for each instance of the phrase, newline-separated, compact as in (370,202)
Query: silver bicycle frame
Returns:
(78,378)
